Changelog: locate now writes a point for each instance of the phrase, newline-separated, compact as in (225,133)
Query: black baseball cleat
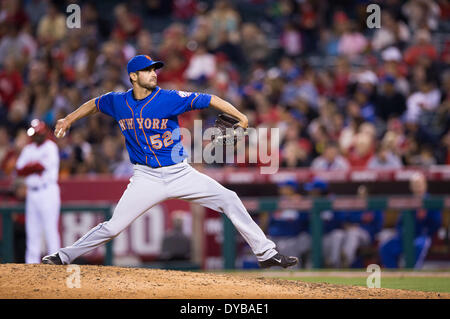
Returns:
(52,259)
(279,260)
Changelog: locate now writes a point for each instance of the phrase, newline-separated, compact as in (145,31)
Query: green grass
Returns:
(433,284)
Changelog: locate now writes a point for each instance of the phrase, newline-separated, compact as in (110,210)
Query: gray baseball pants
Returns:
(149,186)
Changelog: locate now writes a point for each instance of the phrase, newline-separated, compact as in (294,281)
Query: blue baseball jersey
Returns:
(288,222)
(150,126)
(373,227)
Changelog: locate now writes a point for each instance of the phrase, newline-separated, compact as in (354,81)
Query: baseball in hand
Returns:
(60,133)
(61,128)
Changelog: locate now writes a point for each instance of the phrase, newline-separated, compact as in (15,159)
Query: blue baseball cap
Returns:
(140,62)
(389,79)
(290,183)
(317,184)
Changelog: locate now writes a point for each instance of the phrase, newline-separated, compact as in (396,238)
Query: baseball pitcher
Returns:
(39,164)
(147,116)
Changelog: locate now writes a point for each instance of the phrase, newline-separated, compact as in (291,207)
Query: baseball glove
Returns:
(228,130)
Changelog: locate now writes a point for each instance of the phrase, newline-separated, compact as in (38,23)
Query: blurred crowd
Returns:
(343,95)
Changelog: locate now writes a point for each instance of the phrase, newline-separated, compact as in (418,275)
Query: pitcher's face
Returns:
(147,78)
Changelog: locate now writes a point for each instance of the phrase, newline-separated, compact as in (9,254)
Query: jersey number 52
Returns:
(157,143)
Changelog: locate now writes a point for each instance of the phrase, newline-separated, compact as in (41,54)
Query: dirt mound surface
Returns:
(95,282)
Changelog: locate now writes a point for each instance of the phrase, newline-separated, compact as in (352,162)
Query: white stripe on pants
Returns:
(150,186)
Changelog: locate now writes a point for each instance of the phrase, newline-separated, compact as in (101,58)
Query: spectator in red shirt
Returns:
(341,77)
(361,152)
(12,13)
(10,81)
(184,9)
(128,24)
(422,46)
(8,164)
(175,66)
(174,41)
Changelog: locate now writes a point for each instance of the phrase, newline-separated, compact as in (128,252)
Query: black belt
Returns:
(34,189)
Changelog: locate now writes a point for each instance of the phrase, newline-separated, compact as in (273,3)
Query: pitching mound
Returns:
(47,281)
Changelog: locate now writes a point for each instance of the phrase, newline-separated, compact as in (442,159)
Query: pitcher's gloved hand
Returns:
(228,130)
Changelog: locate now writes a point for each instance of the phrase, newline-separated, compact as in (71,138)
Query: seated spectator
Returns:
(309,24)
(296,154)
(80,151)
(52,26)
(128,25)
(184,10)
(341,75)
(18,44)
(288,228)
(384,159)
(352,42)
(422,46)
(175,41)
(13,13)
(202,66)
(223,17)
(362,150)
(8,164)
(295,150)
(349,132)
(226,77)
(144,43)
(254,43)
(173,74)
(4,143)
(94,22)
(332,232)
(421,13)
(390,101)
(426,99)
(365,83)
(392,32)
(326,110)
(427,223)
(330,159)
(444,150)
(176,246)
(393,65)
(16,118)
(425,158)
(11,82)
(291,40)
(231,51)
(366,108)
(360,229)
(110,155)
(395,139)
